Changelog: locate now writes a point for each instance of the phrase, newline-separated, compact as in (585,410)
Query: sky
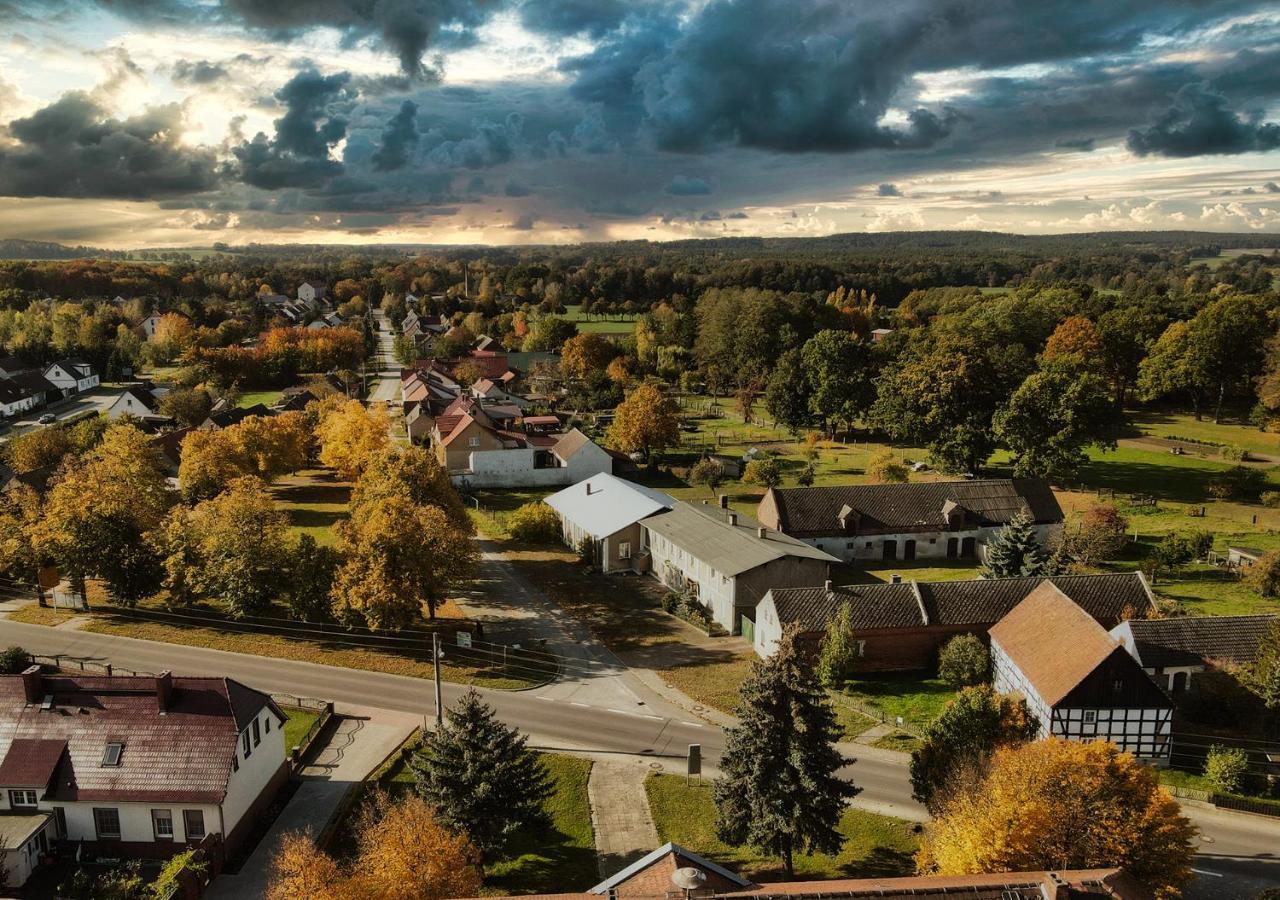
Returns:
(145,123)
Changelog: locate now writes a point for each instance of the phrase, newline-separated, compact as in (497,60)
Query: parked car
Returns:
(47,419)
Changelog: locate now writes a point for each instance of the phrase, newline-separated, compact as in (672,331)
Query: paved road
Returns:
(96,400)
(386,385)
(1239,855)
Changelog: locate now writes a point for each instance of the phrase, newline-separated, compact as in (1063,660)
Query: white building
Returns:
(1078,680)
(133,401)
(71,376)
(608,511)
(137,766)
(920,520)
(311,294)
(531,460)
(1173,650)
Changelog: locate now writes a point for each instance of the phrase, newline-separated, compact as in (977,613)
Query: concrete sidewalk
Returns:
(363,738)
(620,817)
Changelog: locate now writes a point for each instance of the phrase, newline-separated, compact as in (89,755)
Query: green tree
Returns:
(481,777)
(838,659)
(1015,551)
(964,661)
(1264,575)
(707,471)
(1225,767)
(841,373)
(963,737)
(764,472)
(1053,416)
(780,791)
(535,522)
(189,406)
(1262,676)
(786,396)
(309,588)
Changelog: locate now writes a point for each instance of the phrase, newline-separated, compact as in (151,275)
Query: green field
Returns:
(875,845)
(611,324)
(315,501)
(252,398)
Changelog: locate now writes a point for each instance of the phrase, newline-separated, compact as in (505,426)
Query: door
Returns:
(890,550)
(748,629)
(968,547)
(909,550)
(1179,682)
(953,548)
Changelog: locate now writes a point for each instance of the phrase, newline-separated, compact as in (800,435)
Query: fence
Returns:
(1258,807)
(875,712)
(76,664)
(324,708)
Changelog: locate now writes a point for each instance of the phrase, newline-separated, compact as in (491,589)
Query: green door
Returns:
(748,629)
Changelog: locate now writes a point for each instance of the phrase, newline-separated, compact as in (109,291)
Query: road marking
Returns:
(1207,872)
(694,724)
(576,703)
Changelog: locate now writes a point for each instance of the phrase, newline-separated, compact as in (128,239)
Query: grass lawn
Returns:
(315,500)
(875,845)
(252,398)
(297,726)
(916,698)
(35,614)
(851,722)
(712,683)
(900,741)
(611,324)
(876,572)
(1233,432)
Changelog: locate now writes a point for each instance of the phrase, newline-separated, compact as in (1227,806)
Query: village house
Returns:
(1172,650)
(225,418)
(607,511)
(495,391)
(920,520)
(311,294)
(479,452)
(23,388)
(672,872)
(727,561)
(1079,681)
(902,625)
(134,766)
(71,376)
(134,401)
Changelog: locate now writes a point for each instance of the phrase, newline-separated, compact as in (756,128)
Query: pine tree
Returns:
(480,776)
(1016,551)
(780,792)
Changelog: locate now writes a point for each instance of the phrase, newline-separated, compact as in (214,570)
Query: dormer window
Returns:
(111,754)
(22,799)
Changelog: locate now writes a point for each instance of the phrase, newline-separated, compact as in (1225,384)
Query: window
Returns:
(624,550)
(193,823)
(1090,716)
(245,738)
(1117,685)
(162,824)
(22,798)
(473,442)
(257,733)
(107,823)
(111,754)
(860,648)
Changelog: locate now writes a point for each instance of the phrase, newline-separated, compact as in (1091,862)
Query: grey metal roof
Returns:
(705,533)
(605,504)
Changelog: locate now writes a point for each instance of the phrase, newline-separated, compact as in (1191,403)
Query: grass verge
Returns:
(35,614)
(297,725)
(875,845)
(916,698)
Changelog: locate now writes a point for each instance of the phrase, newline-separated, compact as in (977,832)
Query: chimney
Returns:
(895,579)
(164,690)
(31,684)
(761,531)
(826,586)
(724,501)
(588,488)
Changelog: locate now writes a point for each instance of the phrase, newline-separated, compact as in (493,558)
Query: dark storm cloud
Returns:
(1085,145)
(1200,122)
(298,155)
(198,72)
(1272,187)
(888,190)
(684,186)
(488,144)
(399,139)
(565,18)
(72,148)
(516,189)
(736,215)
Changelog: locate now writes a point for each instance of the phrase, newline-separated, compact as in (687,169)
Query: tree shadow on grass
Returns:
(881,862)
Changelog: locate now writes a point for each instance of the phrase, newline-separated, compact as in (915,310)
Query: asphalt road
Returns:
(386,385)
(96,400)
(1240,855)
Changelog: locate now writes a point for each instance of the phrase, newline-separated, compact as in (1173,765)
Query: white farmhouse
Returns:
(71,376)
(607,511)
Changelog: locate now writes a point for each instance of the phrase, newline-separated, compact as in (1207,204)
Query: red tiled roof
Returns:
(30,762)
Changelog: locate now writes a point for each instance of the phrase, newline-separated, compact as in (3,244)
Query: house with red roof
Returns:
(137,766)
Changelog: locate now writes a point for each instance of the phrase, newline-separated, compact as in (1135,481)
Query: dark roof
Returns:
(31,380)
(918,506)
(143,395)
(30,762)
(229,417)
(1108,598)
(184,755)
(1191,640)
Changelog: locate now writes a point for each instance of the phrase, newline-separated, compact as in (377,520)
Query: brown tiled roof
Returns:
(1108,598)
(570,443)
(1188,640)
(182,756)
(918,506)
(1053,642)
(30,762)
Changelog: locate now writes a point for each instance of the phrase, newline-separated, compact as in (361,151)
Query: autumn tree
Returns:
(1076,341)
(707,471)
(20,514)
(37,449)
(646,421)
(173,336)
(1058,804)
(763,472)
(301,869)
(584,354)
(839,656)
(1102,534)
(264,447)
(962,738)
(406,852)
(780,791)
(883,467)
(481,777)
(231,549)
(100,514)
(398,559)
(350,435)
(412,473)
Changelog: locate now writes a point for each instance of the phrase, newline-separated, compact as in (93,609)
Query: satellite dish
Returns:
(688,878)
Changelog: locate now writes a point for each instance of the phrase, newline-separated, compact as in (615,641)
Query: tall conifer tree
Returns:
(1016,551)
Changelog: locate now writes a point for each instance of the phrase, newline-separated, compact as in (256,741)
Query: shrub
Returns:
(587,551)
(671,601)
(535,522)
(1233,453)
(1271,499)
(885,468)
(764,472)
(707,471)
(1237,483)
(963,661)
(1103,535)
(806,476)
(13,660)
(1264,575)
(1225,768)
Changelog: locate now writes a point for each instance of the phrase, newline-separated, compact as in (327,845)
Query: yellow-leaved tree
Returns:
(1058,804)
(646,421)
(584,354)
(350,435)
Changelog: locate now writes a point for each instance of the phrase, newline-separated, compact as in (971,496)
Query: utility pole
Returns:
(435,658)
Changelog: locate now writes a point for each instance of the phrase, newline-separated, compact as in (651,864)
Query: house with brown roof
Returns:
(1077,679)
(919,520)
(1172,650)
(902,625)
(672,872)
(138,766)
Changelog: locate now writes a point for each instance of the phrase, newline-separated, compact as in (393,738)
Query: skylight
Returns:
(111,755)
